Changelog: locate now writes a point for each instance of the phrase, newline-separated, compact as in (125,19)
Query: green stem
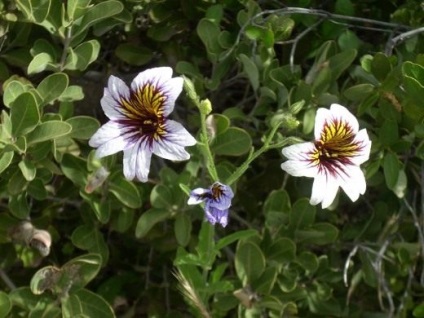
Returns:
(210,163)
(253,155)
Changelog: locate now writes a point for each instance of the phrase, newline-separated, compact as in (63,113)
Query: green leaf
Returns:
(389,133)
(37,190)
(209,32)
(206,245)
(83,55)
(358,92)
(5,304)
(391,167)
(39,63)
(12,90)
(19,207)
(90,239)
(319,234)
(149,219)
(340,62)
(72,93)
(49,130)
(281,251)
(413,80)
(85,303)
(101,208)
(95,14)
(161,197)
(52,87)
(345,7)
(266,281)
(249,262)
(308,261)
(277,208)
(232,142)
(380,66)
(182,229)
(251,70)
(6,160)
(16,183)
(126,192)
(24,114)
(28,169)
(83,127)
(234,237)
(302,214)
(75,169)
(134,54)
(36,10)
(76,8)
(84,268)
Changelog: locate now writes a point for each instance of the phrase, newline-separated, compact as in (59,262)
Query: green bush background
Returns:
(130,249)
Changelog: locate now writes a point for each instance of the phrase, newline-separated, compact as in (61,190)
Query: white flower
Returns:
(334,157)
(139,123)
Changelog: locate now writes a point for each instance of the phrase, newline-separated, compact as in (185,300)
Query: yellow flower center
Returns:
(144,111)
(336,144)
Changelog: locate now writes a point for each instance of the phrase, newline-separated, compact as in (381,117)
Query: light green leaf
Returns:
(39,63)
(52,87)
(83,55)
(72,93)
(249,262)
(24,114)
(37,190)
(282,250)
(5,160)
(125,191)
(232,142)
(35,10)
(149,219)
(83,127)
(12,90)
(28,169)
(49,130)
(76,8)
(18,206)
(75,169)
(97,13)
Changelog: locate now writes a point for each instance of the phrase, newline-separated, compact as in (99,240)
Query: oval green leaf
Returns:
(232,142)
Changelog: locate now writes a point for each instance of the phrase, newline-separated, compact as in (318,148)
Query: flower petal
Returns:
(108,139)
(113,94)
(161,78)
(324,190)
(300,163)
(177,134)
(196,196)
(137,162)
(222,201)
(214,215)
(364,142)
(354,185)
(171,145)
(335,113)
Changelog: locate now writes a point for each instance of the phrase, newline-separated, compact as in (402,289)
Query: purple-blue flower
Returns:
(217,200)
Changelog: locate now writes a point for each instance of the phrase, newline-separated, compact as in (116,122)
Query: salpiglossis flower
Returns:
(334,158)
(139,124)
(217,200)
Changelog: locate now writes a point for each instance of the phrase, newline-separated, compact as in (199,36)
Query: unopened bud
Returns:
(41,241)
(205,106)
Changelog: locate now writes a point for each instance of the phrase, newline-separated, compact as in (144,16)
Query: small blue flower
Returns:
(217,200)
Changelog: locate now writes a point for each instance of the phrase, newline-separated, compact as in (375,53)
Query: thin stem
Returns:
(210,163)
(66,43)
(400,38)
(252,156)
(315,12)
(7,280)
